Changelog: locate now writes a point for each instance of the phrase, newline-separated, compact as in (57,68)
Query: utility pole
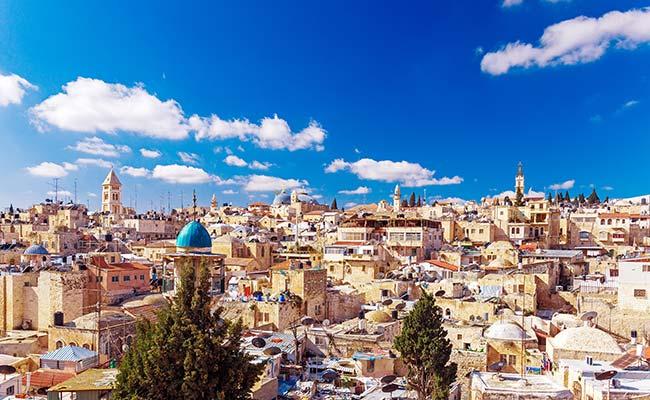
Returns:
(75,190)
(169,202)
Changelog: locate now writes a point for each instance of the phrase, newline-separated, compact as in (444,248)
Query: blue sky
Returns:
(446,97)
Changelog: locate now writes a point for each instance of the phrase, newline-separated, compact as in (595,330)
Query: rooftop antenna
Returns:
(135,205)
(75,190)
(181,200)
(169,202)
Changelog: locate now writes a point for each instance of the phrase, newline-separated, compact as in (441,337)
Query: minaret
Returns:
(397,199)
(213,203)
(519,179)
(112,194)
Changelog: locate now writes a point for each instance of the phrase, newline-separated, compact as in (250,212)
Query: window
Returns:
(59,344)
(320,341)
(639,293)
(613,272)
(115,278)
(141,277)
(512,360)
(10,390)
(459,336)
(371,365)
(317,309)
(127,278)
(646,268)
(266,317)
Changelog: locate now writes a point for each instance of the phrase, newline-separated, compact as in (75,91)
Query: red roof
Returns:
(45,378)
(443,264)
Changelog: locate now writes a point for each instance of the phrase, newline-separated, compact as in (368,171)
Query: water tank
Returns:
(58,318)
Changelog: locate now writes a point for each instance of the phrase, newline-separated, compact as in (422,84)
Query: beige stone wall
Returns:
(464,310)
(60,292)
(467,361)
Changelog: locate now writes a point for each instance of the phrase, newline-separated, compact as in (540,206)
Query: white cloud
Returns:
(510,3)
(265,183)
(135,172)
(608,188)
(241,148)
(189,158)
(48,170)
(13,88)
(70,166)
(91,194)
(229,191)
(564,185)
(574,41)
(96,162)
(62,193)
(96,146)
(184,174)
(235,161)
(631,103)
(359,190)
(406,173)
(150,153)
(92,105)
(350,204)
(271,133)
(260,165)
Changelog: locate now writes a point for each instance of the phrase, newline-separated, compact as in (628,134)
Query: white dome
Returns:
(586,339)
(506,331)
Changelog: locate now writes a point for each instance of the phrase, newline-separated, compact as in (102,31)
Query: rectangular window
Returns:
(613,272)
(10,391)
(127,278)
(639,293)
(646,268)
(512,360)
(459,336)
(115,278)
(141,277)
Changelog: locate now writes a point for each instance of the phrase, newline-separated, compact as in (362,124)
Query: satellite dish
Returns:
(272,351)
(388,379)
(326,323)
(391,387)
(7,370)
(400,306)
(605,376)
(258,342)
(439,293)
(387,302)
(125,347)
(496,367)
(588,316)
(307,321)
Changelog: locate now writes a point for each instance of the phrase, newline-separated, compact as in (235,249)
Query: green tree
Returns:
(581,198)
(419,202)
(405,203)
(190,352)
(425,349)
(558,198)
(519,199)
(412,200)
(334,206)
(567,198)
(593,197)
(549,198)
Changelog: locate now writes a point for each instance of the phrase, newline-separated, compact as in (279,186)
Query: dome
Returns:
(194,235)
(586,339)
(506,331)
(36,250)
(282,198)
(378,316)
(305,197)
(499,262)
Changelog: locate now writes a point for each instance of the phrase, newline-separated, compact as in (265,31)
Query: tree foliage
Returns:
(425,349)
(334,206)
(519,198)
(412,200)
(189,353)
(593,197)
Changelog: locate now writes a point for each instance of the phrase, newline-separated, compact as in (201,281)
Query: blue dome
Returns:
(194,235)
(282,198)
(36,250)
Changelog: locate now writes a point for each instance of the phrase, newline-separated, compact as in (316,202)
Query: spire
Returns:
(194,204)
(520,169)
(112,179)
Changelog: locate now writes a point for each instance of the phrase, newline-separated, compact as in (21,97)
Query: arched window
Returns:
(58,344)
(73,344)
(86,346)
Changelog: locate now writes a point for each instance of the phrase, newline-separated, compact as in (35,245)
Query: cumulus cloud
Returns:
(260,165)
(564,185)
(631,103)
(359,190)
(350,204)
(95,162)
(510,3)
(404,172)
(92,105)
(98,147)
(13,88)
(265,183)
(189,158)
(235,161)
(48,170)
(70,166)
(150,153)
(91,194)
(229,191)
(183,174)
(135,172)
(271,133)
(608,188)
(574,41)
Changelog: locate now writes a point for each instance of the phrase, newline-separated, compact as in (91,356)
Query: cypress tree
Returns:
(593,197)
(425,349)
(334,206)
(581,198)
(419,202)
(412,200)
(405,203)
(567,198)
(549,198)
(519,199)
(558,198)
(190,352)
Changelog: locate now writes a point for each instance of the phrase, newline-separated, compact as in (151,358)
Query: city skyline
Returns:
(442,102)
